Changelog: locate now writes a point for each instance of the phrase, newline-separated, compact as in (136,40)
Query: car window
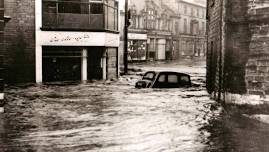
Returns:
(172,78)
(149,76)
(184,80)
(161,78)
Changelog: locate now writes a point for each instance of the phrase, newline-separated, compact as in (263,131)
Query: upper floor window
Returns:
(1,3)
(185,9)
(185,25)
(151,20)
(176,27)
(80,14)
(70,6)
(203,27)
(198,12)
(192,12)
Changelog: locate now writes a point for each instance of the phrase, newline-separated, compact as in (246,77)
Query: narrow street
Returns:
(116,117)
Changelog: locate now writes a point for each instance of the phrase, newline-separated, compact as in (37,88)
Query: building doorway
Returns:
(95,69)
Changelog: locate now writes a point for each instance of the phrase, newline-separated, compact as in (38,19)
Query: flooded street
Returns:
(116,117)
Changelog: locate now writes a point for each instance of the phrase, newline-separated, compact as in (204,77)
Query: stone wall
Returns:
(2,22)
(20,41)
(214,45)
(238,66)
(257,70)
(236,46)
(112,63)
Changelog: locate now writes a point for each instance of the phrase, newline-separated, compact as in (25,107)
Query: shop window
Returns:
(137,49)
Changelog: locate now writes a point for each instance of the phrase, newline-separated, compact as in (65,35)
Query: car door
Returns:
(161,81)
(185,81)
(173,80)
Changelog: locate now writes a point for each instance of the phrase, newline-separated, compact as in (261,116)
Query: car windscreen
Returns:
(149,76)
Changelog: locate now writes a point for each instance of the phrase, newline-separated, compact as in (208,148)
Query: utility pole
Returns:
(125,61)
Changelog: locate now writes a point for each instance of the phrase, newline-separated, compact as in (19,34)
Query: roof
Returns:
(199,3)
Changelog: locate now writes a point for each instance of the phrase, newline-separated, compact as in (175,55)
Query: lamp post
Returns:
(125,60)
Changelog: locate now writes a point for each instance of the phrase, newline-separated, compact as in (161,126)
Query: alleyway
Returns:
(116,117)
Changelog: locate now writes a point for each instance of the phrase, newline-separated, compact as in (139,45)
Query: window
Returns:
(192,12)
(80,14)
(176,27)
(70,6)
(184,80)
(203,27)
(96,8)
(185,25)
(197,28)
(149,76)
(185,9)
(161,78)
(151,19)
(172,79)
(1,3)
(198,12)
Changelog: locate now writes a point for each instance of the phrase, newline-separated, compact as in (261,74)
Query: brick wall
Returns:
(237,46)
(244,59)
(257,69)
(20,41)
(214,48)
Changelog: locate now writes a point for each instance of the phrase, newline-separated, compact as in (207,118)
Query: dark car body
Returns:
(164,79)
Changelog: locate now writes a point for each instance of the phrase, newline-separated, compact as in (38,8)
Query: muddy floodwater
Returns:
(116,117)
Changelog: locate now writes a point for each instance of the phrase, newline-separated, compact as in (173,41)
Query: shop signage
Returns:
(135,36)
(49,38)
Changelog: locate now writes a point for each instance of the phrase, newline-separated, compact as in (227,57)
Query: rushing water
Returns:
(116,117)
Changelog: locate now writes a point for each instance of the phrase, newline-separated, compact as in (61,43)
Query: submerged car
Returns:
(164,79)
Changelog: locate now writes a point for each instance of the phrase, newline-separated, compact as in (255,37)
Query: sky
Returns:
(203,2)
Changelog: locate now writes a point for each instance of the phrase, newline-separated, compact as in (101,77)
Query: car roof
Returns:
(172,72)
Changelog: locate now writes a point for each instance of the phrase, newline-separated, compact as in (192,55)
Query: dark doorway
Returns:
(95,71)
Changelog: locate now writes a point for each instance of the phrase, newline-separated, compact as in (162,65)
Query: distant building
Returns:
(191,31)
(238,44)
(161,30)
(61,40)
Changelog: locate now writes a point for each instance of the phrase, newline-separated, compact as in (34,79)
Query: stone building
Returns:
(238,42)
(164,31)
(191,31)
(59,40)
(3,20)
(2,24)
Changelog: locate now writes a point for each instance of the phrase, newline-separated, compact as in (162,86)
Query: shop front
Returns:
(137,47)
(76,56)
